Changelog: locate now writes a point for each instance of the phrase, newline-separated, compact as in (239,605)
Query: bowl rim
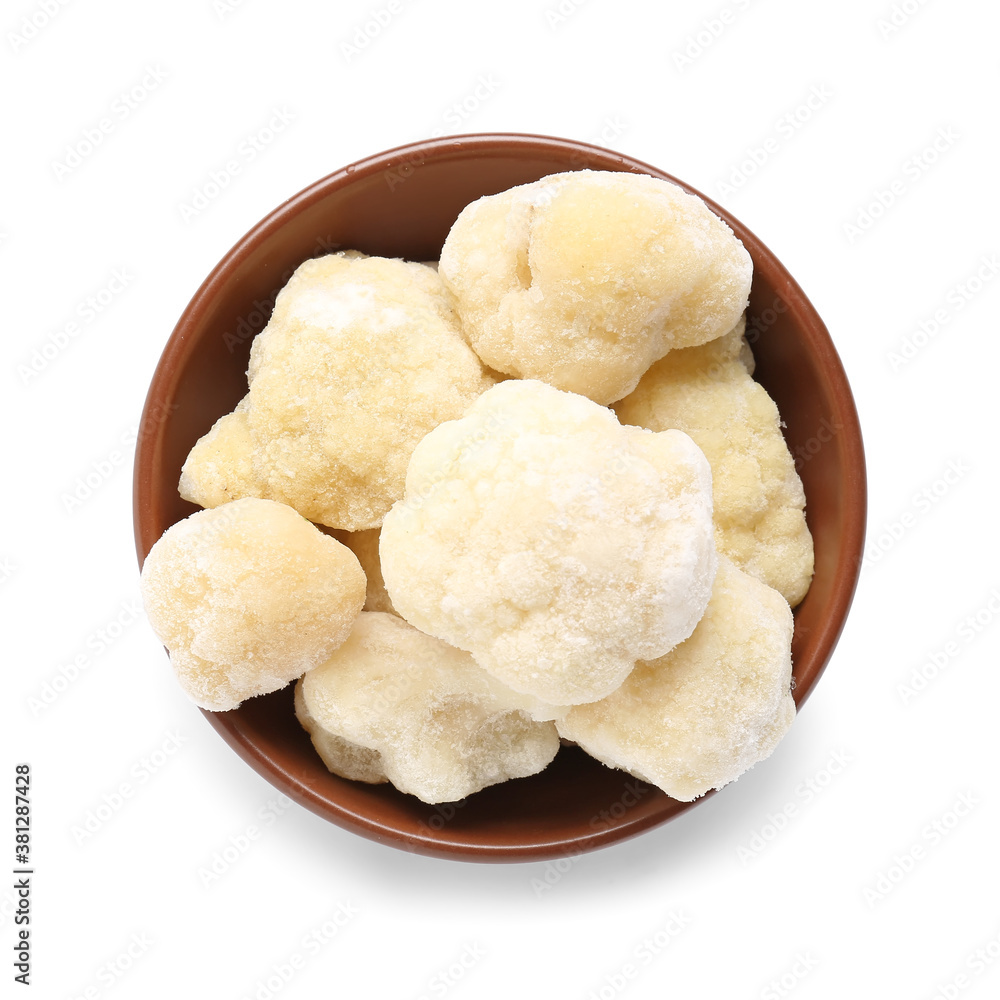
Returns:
(508,145)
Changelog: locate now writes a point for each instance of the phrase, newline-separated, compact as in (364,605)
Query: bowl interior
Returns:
(401,204)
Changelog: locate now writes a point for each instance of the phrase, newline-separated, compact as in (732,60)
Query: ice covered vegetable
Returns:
(584,279)
(551,542)
(361,357)
(219,467)
(248,596)
(698,717)
(342,757)
(759,503)
(393,702)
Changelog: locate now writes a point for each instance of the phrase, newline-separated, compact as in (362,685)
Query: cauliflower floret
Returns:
(339,755)
(708,393)
(364,544)
(551,542)
(248,596)
(703,714)
(219,467)
(438,726)
(584,279)
(361,357)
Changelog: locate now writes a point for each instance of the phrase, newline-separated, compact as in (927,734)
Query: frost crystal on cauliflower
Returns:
(361,357)
(219,467)
(551,542)
(584,279)
(340,756)
(248,596)
(393,702)
(700,716)
(708,393)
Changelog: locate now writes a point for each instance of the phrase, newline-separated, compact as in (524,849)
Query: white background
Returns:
(805,910)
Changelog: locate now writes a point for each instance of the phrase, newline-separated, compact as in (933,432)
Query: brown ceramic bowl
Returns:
(401,203)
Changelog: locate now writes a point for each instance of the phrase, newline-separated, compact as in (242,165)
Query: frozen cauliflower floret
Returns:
(360,359)
(438,726)
(247,597)
(584,279)
(708,393)
(219,467)
(551,542)
(340,756)
(364,544)
(715,356)
(703,714)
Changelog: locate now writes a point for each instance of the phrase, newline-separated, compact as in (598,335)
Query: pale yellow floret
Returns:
(219,468)
(432,721)
(719,703)
(584,279)
(554,544)
(248,596)
(361,357)
(339,755)
(708,393)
